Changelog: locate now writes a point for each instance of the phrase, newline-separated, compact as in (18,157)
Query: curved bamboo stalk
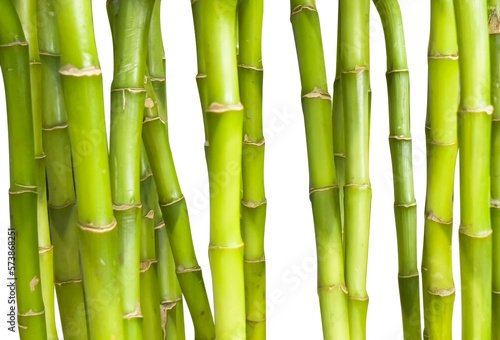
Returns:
(474,143)
(405,206)
(324,189)
(15,63)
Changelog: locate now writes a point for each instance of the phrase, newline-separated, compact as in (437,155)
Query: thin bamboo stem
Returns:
(15,63)
(474,142)
(323,185)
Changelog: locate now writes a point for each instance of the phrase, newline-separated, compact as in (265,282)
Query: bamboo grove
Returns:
(100,217)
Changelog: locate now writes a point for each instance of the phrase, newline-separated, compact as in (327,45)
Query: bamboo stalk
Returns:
(172,202)
(253,204)
(442,146)
(62,199)
(355,62)
(474,142)
(224,121)
(324,189)
(83,94)
(15,63)
(405,206)
(494,30)
(130,20)
(27,11)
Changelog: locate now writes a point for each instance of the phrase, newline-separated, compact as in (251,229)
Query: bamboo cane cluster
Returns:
(109,229)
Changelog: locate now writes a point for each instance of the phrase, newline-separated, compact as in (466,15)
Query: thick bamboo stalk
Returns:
(61,192)
(224,120)
(83,95)
(323,185)
(130,20)
(27,11)
(442,146)
(494,29)
(15,63)
(405,206)
(355,62)
(474,142)
(150,289)
(253,204)
(172,202)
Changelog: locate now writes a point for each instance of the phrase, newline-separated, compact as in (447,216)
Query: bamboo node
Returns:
(150,214)
(253,204)
(259,260)
(159,226)
(248,141)
(250,67)
(206,144)
(129,89)
(15,43)
(300,8)
(49,54)
(357,69)
(317,93)
(55,127)
(442,292)
(488,110)
(431,216)
(330,187)
(403,70)
(72,71)
(171,202)
(400,137)
(223,108)
(31,313)
(442,56)
(60,283)
(494,203)
(35,62)
(123,207)
(339,154)
(359,186)
(22,326)
(405,205)
(152,119)
(184,270)
(342,287)
(42,250)
(256,321)
(408,276)
(235,246)
(433,142)
(495,292)
(359,298)
(98,229)
(201,76)
(42,156)
(137,313)
(148,175)
(464,230)
(146,264)
(157,79)
(493,22)
(24,191)
(33,283)
(62,206)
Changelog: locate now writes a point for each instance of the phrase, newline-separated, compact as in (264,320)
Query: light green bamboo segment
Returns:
(338,121)
(324,189)
(224,121)
(62,199)
(494,28)
(15,63)
(355,62)
(27,11)
(172,202)
(253,205)
(83,96)
(150,289)
(405,206)
(441,129)
(474,142)
(130,20)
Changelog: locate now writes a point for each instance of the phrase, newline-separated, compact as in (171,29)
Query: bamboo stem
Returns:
(474,142)
(83,94)
(442,146)
(405,206)
(253,206)
(62,199)
(324,189)
(15,63)
(355,62)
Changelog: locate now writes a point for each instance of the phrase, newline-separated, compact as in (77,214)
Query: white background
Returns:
(293,309)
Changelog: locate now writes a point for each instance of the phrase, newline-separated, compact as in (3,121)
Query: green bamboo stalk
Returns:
(324,189)
(15,63)
(83,95)
(338,122)
(474,142)
(442,147)
(150,289)
(405,206)
(494,30)
(172,202)
(253,204)
(224,121)
(130,22)
(27,11)
(355,62)
(62,199)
